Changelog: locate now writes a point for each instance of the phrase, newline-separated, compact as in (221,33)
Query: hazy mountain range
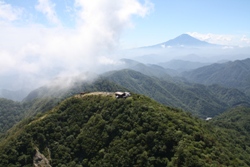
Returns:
(171,87)
(154,81)
(184,53)
(234,74)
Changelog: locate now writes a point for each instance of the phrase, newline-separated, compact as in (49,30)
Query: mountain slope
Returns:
(235,119)
(234,74)
(99,130)
(10,113)
(236,127)
(45,98)
(204,101)
(182,65)
(148,69)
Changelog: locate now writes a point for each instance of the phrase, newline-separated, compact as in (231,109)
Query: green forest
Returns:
(96,130)
(11,113)
(44,99)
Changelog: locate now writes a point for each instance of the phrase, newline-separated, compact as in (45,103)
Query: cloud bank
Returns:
(222,39)
(36,50)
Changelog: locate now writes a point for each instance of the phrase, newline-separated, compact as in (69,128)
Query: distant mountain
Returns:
(100,130)
(148,69)
(233,74)
(204,101)
(182,65)
(13,95)
(182,47)
(183,40)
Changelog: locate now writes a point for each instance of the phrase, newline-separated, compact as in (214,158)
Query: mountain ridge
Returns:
(205,101)
(233,74)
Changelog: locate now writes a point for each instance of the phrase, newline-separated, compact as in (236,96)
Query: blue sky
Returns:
(39,36)
(223,18)
(208,19)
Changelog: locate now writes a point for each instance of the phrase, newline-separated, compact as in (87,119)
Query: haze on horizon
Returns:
(44,39)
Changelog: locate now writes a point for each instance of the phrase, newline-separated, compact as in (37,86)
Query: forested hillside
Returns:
(100,130)
(13,112)
(235,124)
(10,113)
(45,98)
(203,101)
(234,74)
(235,119)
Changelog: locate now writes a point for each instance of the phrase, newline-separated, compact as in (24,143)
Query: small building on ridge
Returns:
(122,94)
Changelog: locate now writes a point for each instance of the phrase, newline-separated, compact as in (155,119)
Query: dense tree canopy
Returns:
(100,130)
(44,99)
(10,113)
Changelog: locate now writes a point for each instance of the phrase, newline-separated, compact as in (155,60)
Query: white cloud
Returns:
(245,39)
(35,49)
(7,61)
(212,38)
(222,39)
(48,9)
(103,60)
(106,19)
(8,12)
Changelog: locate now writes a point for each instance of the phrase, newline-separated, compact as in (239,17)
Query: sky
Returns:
(65,37)
(222,22)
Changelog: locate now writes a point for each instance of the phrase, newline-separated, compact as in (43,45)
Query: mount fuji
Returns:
(183,40)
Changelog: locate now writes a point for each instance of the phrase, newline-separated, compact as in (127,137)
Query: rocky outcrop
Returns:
(40,160)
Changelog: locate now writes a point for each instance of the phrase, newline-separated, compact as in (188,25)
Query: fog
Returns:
(32,54)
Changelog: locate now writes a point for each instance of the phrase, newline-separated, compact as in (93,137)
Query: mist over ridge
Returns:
(89,39)
(38,53)
(175,58)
